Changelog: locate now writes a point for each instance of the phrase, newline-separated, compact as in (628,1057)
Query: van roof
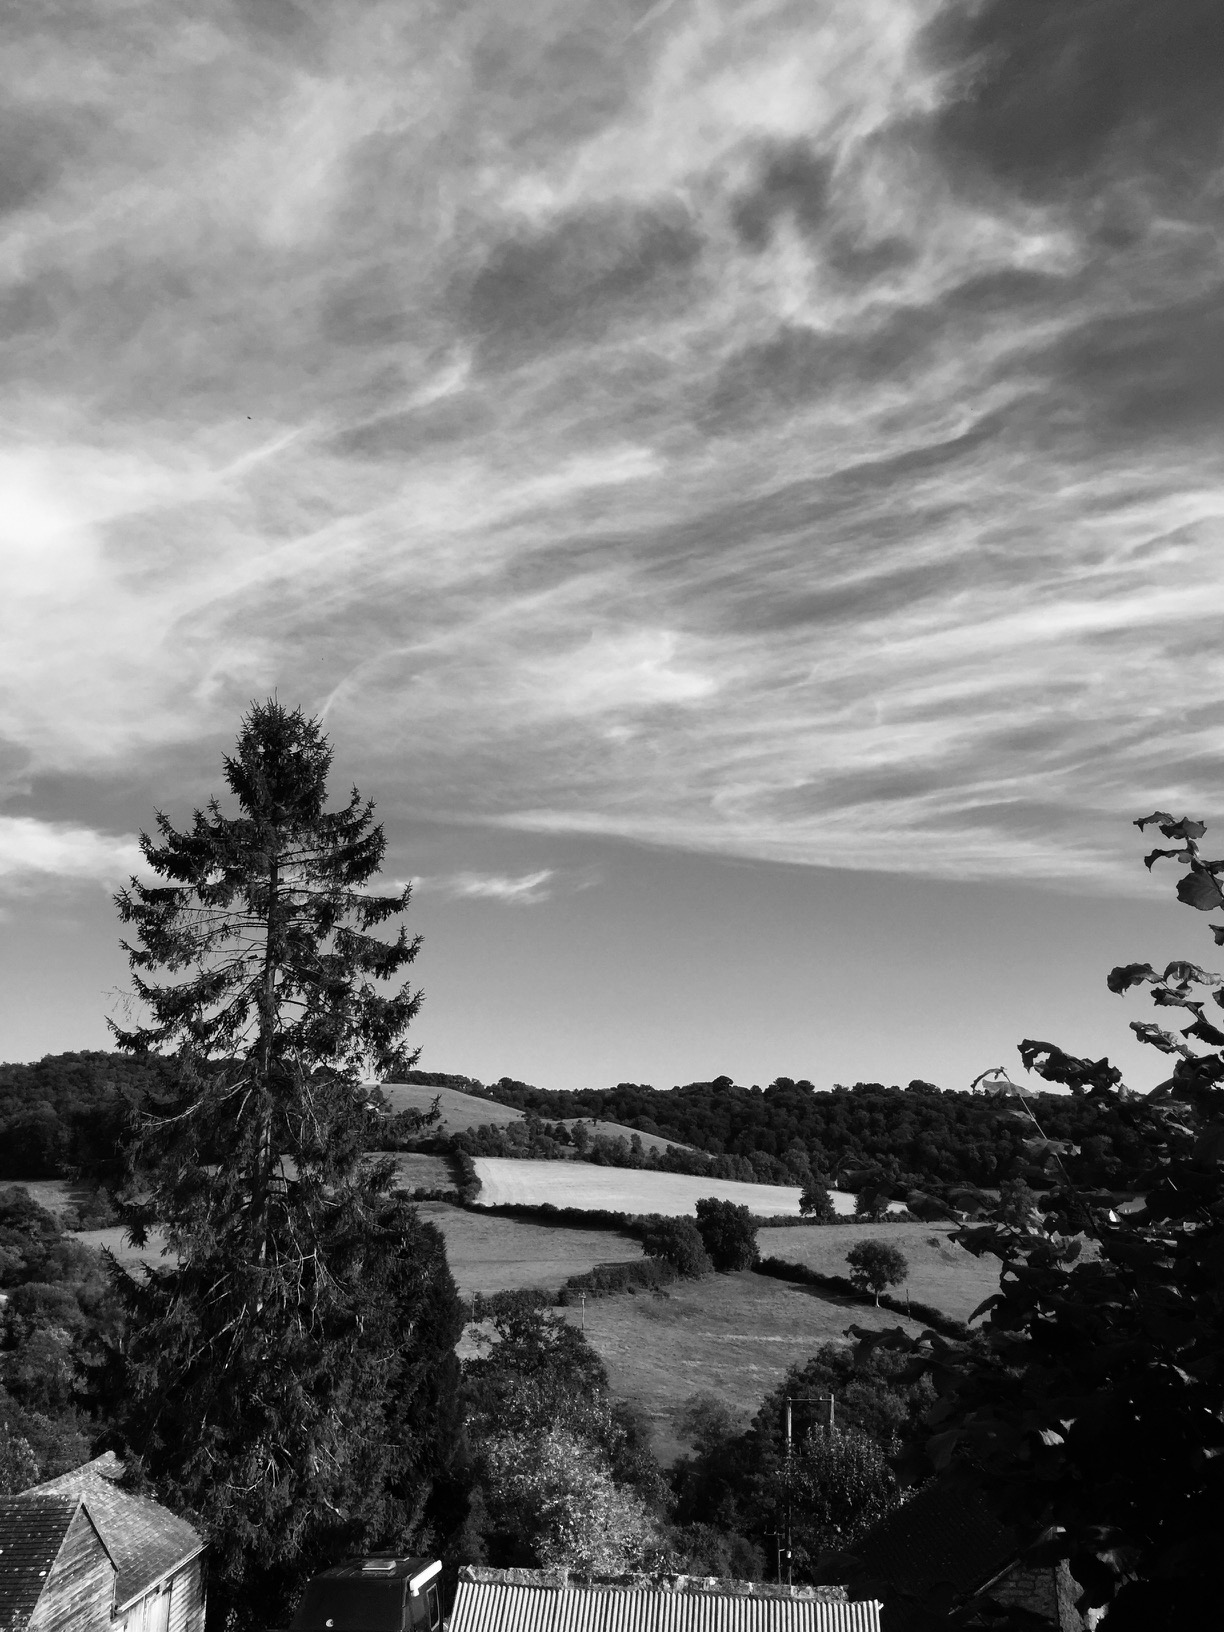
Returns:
(389,1568)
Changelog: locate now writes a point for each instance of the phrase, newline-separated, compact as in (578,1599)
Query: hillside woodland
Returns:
(64,1115)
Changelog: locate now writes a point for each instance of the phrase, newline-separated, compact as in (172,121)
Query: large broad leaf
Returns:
(1161,818)
(1182,971)
(1163,998)
(988,1304)
(1200,890)
(1050,1147)
(1205,1032)
(1127,975)
(1055,1065)
(1171,827)
(1159,855)
(1210,1146)
(1165,1041)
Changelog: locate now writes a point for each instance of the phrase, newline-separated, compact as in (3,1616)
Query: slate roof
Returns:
(490,1600)
(145,1540)
(943,1534)
(32,1531)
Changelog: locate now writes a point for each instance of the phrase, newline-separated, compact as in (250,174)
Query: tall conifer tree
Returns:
(289,1376)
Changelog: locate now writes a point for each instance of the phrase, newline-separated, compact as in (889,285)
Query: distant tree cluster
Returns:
(68,1112)
(889,1140)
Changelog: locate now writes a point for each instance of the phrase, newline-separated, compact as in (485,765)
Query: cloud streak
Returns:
(523,890)
(35,853)
(775,429)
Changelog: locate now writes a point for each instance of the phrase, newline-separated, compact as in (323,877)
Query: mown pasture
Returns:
(494,1254)
(733,1336)
(461,1112)
(941,1273)
(509,1179)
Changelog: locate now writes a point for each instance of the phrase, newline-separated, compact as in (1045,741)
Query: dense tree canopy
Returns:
(739,1481)
(727,1232)
(561,1473)
(58,1311)
(902,1139)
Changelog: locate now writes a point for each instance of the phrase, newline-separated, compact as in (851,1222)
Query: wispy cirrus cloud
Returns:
(524,890)
(785,430)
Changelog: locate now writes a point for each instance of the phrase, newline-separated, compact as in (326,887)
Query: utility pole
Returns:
(582,1299)
(830,1404)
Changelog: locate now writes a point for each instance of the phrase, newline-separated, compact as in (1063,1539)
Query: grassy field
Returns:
(56,1195)
(941,1273)
(413,1172)
(462,1111)
(113,1240)
(495,1254)
(620,1189)
(459,1111)
(729,1335)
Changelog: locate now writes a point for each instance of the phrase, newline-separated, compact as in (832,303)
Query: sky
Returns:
(741,484)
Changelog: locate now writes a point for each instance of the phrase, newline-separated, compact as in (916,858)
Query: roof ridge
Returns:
(713,1586)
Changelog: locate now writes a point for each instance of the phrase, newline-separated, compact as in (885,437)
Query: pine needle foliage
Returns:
(288,1377)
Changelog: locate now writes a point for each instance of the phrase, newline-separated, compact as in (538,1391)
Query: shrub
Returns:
(728,1233)
(678,1242)
(606,1279)
(514,1300)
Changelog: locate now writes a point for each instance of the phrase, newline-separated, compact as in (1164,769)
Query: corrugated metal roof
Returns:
(499,1606)
(146,1540)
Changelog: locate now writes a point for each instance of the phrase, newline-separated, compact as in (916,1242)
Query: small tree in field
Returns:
(289,1378)
(728,1233)
(816,1202)
(875,1266)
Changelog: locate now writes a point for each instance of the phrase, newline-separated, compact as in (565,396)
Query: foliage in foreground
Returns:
(289,1379)
(1090,1412)
(561,1475)
(739,1480)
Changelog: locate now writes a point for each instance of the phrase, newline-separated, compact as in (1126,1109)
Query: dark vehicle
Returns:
(373,1595)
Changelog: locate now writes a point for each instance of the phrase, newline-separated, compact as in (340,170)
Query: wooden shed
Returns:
(56,1574)
(78,1554)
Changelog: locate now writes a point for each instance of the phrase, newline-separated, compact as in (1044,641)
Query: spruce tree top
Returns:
(266,912)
